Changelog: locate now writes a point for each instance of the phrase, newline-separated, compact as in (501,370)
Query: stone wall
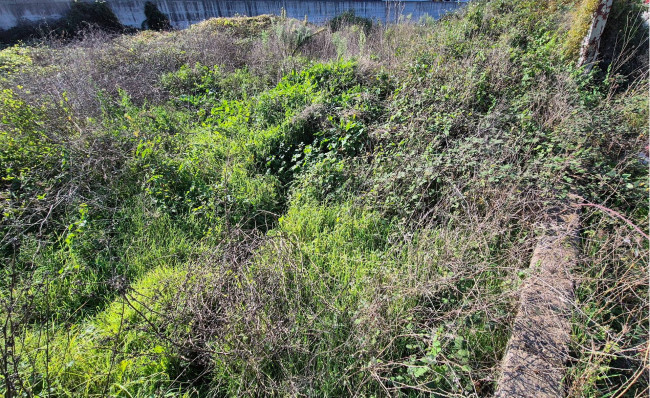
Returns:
(186,12)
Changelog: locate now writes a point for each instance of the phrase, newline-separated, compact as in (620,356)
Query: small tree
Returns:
(350,18)
(97,13)
(156,20)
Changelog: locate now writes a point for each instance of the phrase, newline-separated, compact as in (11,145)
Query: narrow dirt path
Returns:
(534,364)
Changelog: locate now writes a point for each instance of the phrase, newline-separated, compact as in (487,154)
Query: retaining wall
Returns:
(183,13)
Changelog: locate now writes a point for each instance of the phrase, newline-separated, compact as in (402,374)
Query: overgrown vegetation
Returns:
(256,206)
(350,18)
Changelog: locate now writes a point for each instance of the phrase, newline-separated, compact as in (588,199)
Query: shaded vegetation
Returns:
(78,20)
(258,206)
(350,18)
(80,17)
(156,20)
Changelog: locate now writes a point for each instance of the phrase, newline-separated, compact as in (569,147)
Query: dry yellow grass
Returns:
(580,23)
(243,26)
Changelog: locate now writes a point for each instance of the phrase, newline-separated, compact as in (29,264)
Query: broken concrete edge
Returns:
(534,362)
(591,42)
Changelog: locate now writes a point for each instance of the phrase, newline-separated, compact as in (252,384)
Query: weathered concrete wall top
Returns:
(186,12)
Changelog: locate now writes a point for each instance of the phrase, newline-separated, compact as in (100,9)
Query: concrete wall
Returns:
(14,11)
(186,12)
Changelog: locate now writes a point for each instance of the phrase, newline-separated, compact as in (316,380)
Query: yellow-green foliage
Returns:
(103,354)
(12,59)
(145,37)
(240,26)
(580,24)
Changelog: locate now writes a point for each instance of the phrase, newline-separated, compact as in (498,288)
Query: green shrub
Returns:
(98,13)
(155,19)
(350,18)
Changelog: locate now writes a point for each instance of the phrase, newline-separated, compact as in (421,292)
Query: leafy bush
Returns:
(98,13)
(156,20)
(350,18)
